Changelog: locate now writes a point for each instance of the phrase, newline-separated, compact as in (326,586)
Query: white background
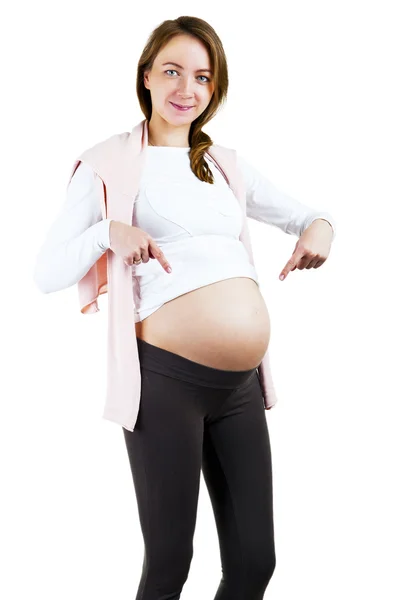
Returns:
(313,103)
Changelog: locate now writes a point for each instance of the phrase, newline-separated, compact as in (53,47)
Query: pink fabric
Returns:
(118,162)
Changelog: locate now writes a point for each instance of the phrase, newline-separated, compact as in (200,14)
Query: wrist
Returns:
(324,221)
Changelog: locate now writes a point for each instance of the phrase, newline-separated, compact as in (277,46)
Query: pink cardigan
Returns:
(117,162)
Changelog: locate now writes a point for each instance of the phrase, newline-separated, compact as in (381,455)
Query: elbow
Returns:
(46,271)
(40,273)
(41,281)
(43,278)
(48,278)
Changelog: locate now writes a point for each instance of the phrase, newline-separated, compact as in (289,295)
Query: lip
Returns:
(183,107)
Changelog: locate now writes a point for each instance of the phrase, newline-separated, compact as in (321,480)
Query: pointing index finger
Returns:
(159,255)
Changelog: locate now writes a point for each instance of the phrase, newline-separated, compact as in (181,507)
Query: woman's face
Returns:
(189,84)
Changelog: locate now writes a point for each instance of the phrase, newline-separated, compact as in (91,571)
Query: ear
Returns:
(145,79)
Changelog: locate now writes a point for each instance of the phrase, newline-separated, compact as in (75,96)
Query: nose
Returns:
(185,86)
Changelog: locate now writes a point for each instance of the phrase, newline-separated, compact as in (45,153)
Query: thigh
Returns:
(237,468)
(165,454)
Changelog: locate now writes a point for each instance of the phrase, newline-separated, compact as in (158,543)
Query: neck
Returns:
(162,134)
(166,146)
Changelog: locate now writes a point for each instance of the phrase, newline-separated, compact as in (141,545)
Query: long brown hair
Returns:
(199,141)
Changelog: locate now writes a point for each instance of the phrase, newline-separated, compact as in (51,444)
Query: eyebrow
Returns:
(180,67)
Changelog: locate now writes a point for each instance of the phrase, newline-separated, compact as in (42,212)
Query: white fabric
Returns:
(196,224)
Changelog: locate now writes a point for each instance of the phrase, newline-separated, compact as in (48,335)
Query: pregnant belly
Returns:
(224,325)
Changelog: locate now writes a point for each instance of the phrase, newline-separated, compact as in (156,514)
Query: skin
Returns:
(168,83)
(231,313)
(231,328)
(312,248)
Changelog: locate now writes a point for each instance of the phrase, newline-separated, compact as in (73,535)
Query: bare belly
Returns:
(224,325)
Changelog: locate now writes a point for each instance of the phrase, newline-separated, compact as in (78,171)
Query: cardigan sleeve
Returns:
(268,204)
(77,237)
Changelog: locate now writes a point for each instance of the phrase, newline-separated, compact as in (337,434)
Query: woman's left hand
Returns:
(312,248)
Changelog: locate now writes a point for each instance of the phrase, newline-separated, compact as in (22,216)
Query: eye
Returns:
(174,71)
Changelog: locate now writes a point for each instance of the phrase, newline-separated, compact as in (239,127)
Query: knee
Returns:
(258,563)
(262,568)
(269,568)
(170,570)
(248,579)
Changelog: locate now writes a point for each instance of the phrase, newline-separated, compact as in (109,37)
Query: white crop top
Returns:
(196,225)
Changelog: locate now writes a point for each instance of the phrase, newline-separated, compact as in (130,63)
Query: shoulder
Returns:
(105,157)
(83,175)
(218,151)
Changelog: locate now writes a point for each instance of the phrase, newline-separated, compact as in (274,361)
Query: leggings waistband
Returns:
(173,365)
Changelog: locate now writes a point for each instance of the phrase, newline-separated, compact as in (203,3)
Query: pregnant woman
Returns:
(202,326)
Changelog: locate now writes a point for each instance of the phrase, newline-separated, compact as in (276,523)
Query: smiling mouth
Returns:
(181,107)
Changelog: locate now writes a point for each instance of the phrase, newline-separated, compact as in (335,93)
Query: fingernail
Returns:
(169,270)
(281,277)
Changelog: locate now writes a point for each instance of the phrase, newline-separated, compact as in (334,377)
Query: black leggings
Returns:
(193,416)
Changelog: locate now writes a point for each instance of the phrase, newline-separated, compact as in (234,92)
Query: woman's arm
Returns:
(267,204)
(77,238)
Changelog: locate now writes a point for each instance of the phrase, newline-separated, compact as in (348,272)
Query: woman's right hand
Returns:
(132,243)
